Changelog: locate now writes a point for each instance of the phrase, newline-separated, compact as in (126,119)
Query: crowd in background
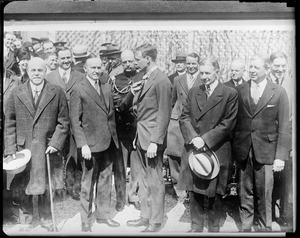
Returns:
(144,126)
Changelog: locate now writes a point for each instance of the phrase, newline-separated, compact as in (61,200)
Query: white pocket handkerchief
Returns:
(270,105)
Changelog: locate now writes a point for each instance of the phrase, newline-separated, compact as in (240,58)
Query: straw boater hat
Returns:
(204,164)
(80,51)
(17,163)
(179,57)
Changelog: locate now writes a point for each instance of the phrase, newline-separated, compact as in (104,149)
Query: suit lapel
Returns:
(25,96)
(245,94)
(183,83)
(213,100)
(73,79)
(47,96)
(201,97)
(90,90)
(106,89)
(59,80)
(265,97)
(149,82)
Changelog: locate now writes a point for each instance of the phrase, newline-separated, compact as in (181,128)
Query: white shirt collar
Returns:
(181,73)
(213,86)
(38,87)
(68,72)
(195,75)
(273,79)
(92,81)
(147,75)
(262,84)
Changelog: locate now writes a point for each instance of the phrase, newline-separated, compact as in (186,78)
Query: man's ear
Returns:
(84,68)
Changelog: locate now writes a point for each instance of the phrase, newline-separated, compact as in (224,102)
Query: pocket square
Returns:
(270,105)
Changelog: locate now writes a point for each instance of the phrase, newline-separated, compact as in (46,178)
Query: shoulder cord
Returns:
(122,91)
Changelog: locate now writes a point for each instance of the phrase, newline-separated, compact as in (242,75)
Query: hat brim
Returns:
(111,53)
(178,60)
(215,163)
(19,163)
(81,55)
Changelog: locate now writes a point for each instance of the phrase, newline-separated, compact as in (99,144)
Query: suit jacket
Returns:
(231,84)
(79,67)
(93,116)
(213,120)
(13,81)
(10,62)
(266,128)
(179,94)
(153,110)
(35,129)
(173,76)
(75,77)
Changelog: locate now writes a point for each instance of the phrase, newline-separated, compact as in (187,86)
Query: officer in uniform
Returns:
(126,128)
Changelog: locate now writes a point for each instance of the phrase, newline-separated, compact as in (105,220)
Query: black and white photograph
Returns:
(128,118)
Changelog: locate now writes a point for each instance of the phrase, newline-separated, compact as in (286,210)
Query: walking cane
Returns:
(50,188)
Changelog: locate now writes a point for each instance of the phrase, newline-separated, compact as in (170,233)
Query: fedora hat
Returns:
(179,57)
(111,50)
(204,164)
(80,51)
(17,163)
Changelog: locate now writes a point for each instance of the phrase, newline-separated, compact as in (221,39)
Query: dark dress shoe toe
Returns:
(120,207)
(85,227)
(154,227)
(139,222)
(282,222)
(109,222)
(193,230)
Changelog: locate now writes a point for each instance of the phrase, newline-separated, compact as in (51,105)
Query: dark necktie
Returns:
(96,85)
(208,91)
(277,80)
(36,96)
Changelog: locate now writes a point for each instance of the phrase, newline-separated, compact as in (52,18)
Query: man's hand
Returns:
(198,142)
(8,158)
(136,87)
(278,165)
(86,152)
(152,150)
(50,150)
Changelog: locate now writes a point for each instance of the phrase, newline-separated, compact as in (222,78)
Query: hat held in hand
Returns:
(204,164)
(17,162)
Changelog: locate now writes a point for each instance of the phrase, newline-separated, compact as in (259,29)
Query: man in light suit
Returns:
(260,143)
(36,118)
(208,117)
(175,141)
(94,128)
(152,104)
(237,70)
(65,77)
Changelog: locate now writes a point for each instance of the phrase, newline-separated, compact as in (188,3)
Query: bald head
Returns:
(128,61)
(237,70)
(36,70)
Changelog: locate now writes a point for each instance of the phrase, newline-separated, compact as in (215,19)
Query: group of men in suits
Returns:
(80,116)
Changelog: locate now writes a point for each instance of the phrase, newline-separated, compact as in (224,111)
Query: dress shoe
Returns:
(75,195)
(153,227)
(137,205)
(281,221)
(139,222)
(86,227)
(47,224)
(120,207)
(109,222)
(256,222)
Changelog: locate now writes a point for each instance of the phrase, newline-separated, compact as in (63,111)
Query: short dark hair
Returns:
(147,50)
(63,49)
(194,55)
(214,62)
(277,54)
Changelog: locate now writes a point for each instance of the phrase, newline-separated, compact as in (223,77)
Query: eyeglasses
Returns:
(127,61)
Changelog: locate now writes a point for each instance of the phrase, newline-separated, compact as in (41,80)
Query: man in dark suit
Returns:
(126,129)
(36,118)
(80,53)
(208,117)
(152,104)
(179,65)
(65,77)
(260,143)
(175,141)
(237,70)
(94,128)
(283,180)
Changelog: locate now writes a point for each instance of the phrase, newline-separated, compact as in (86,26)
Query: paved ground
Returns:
(177,220)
